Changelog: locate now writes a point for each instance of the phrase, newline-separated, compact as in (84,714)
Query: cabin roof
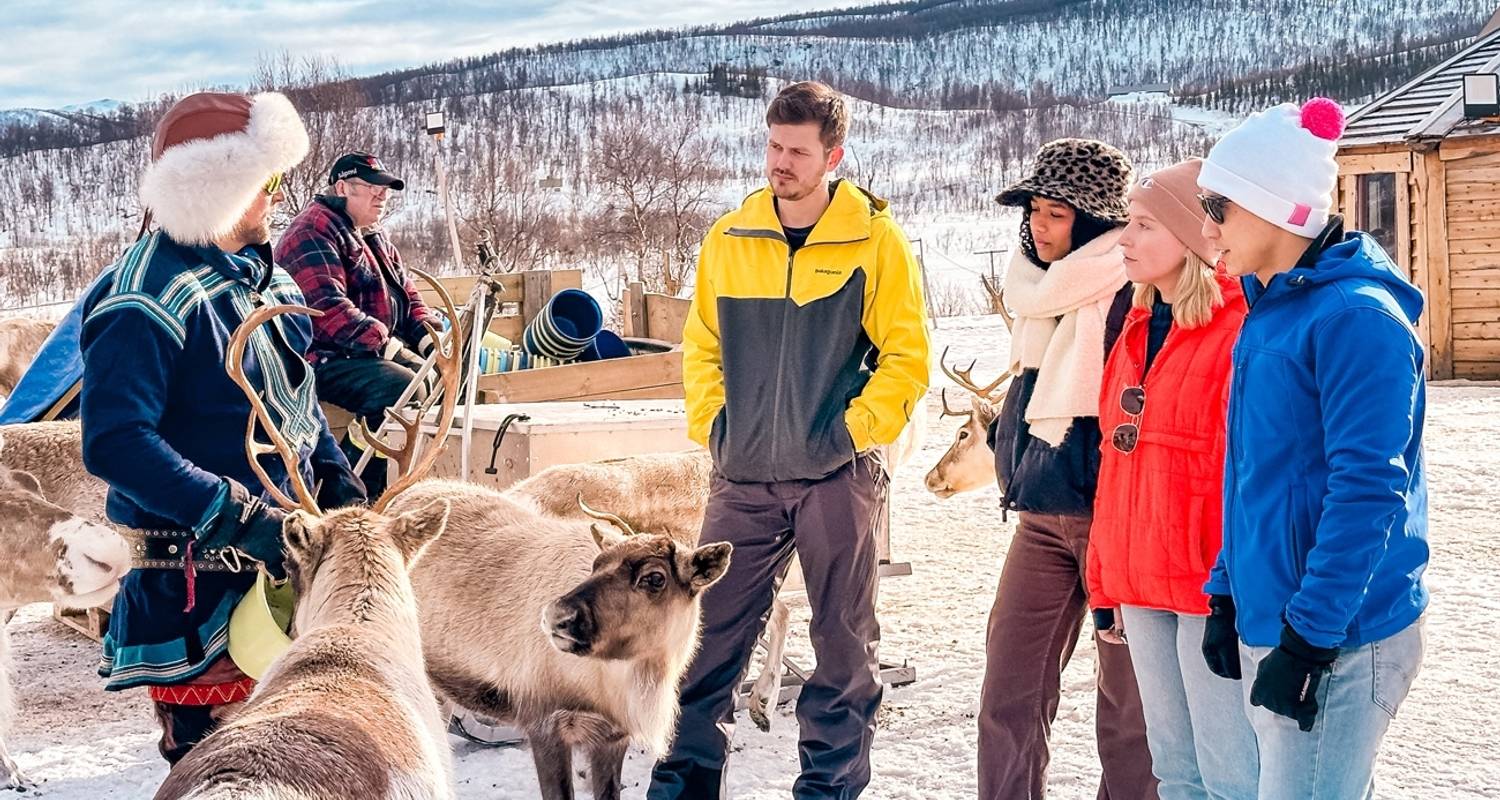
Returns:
(1429,106)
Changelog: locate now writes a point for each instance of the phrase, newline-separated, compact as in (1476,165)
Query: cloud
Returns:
(61,53)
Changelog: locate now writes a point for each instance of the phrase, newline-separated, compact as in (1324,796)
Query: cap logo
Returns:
(1300,213)
(1147,183)
(347,173)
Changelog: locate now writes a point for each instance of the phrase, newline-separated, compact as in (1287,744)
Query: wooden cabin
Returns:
(1424,179)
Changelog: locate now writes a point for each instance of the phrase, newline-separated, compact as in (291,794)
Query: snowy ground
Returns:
(87,745)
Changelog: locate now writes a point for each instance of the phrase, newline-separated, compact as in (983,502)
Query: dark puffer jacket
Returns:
(1035,476)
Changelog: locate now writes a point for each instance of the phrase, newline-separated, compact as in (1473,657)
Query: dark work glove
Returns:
(246,523)
(1286,682)
(1221,642)
(341,488)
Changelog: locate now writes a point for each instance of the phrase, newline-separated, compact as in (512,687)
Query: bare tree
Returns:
(497,194)
(658,184)
(953,299)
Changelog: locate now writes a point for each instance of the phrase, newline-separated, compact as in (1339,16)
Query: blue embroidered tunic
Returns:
(163,425)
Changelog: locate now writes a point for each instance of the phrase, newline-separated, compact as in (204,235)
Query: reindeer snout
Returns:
(569,625)
(937,485)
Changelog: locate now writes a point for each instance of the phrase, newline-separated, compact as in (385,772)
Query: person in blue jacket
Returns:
(1317,595)
(163,424)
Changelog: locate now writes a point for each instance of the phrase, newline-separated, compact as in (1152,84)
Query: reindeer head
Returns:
(640,599)
(341,560)
(50,554)
(336,559)
(968,463)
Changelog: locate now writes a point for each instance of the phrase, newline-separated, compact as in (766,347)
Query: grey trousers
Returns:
(830,525)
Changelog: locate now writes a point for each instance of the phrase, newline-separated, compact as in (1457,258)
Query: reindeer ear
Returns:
(606,537)
(23,480)
(709,563)
(305,540)
(414,530)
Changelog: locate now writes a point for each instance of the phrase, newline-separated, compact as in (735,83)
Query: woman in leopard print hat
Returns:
(1067,289)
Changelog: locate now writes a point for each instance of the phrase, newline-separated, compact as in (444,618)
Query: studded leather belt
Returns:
(158,549)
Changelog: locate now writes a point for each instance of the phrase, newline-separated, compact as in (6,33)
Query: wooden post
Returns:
(1439,294)
(536,290)
(635,311)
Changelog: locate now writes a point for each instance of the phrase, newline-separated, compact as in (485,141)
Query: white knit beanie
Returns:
(1279,165)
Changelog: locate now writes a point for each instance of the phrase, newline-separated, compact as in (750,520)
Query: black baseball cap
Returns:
(365,167)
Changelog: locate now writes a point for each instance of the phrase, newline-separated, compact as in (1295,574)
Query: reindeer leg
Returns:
(606,762)
(767,689)
(554,760)
(11,776)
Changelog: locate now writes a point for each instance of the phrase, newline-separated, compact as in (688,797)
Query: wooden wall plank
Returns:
(1472,315)
(1469,330)
(1476,298)
(1362,164)
(1440,303)
(1476,370)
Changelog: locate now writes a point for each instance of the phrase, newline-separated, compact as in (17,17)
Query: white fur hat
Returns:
(1279,165)
(212,152)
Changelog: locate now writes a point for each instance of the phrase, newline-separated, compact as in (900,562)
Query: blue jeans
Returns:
(1202,745)
(1356,700)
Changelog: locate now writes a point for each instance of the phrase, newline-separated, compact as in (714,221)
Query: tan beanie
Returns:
(1171,195)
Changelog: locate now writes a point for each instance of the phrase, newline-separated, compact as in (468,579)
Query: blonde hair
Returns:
(1198,293)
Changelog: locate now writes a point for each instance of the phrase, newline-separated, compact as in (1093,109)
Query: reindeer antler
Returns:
(604,516)
(449,365)
(1010,320)
(948,412)
(234,364)
(964,379)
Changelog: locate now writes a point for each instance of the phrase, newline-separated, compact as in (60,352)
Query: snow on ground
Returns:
(88,745)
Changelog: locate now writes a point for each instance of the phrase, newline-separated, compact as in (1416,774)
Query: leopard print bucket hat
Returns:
(1088,175)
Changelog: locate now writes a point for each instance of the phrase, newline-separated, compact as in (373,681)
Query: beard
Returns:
(787,187)
(252,231)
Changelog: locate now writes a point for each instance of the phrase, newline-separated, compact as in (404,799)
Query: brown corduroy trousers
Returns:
(1034,625)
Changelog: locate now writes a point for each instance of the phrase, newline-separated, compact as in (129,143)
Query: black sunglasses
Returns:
(1213,206)
(1127,434)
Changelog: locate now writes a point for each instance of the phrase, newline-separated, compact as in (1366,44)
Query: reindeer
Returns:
(52,452)
(20,339)
(668,493)
(347,710)
(47,554)
(968,464)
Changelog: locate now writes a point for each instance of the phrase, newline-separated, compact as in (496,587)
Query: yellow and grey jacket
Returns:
(795,362)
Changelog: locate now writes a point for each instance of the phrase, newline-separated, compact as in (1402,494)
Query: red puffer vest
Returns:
(1158,512)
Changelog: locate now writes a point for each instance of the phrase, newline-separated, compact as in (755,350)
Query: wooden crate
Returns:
(522,296)
(654,376)
(649,315)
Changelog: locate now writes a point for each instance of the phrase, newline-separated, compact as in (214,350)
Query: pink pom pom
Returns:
(1323,118)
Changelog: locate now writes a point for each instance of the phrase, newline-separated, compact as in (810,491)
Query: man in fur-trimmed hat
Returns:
(164,425)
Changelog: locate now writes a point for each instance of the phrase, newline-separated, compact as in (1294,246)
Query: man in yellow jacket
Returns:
(806,348)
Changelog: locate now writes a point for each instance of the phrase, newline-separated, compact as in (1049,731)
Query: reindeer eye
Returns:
(652,582)
(962,434)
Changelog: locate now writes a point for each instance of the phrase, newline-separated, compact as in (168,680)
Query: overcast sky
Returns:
(77,51)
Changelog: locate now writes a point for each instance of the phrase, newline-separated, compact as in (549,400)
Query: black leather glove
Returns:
(1104,619)
(1221,641)
(1286,682)
(248,524)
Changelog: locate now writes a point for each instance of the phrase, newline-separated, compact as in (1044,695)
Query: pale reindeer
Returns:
(347,711)
(968,464)
(577,634)
(20,339)
(52,452)
(668,493)
(47,554)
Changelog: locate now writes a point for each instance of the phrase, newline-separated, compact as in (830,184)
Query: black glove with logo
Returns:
(1286,682)
(248,524)
(1221,641)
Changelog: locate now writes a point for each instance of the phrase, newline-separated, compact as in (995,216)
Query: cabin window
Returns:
(1376,212)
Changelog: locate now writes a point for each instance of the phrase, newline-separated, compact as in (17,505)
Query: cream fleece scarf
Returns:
(1059,330)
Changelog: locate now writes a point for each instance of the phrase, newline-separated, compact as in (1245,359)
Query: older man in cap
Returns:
(366,345)
(163,424)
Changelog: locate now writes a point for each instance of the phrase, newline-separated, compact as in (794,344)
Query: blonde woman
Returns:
(1157,512)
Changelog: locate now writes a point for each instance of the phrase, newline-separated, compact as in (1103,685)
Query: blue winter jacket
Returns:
(1325,500)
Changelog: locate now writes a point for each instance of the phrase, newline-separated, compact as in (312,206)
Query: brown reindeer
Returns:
(668,493)
(968,464)
(347,711)
(47,554)
(20,339)
(52,452)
